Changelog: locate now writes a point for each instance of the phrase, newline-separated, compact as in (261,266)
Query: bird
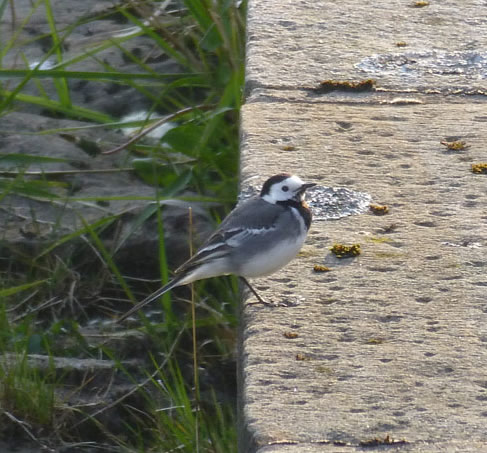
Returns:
(260,236)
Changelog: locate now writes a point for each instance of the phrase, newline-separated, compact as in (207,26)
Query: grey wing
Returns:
(254,214)
(251,218)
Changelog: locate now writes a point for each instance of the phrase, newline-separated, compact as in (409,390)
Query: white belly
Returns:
(272,260)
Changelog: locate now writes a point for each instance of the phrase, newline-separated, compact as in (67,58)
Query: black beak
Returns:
(307,186)
(304,187)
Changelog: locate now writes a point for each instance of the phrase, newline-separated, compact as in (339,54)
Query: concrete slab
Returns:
(390,342)
(386,349)
(296,43)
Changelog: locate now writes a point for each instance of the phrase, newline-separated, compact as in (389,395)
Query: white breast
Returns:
(272,260)
(277,257)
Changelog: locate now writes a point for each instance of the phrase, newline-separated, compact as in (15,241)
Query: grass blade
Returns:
(108,258)
(69,237)
(49,104)
(17,289)
(60,84)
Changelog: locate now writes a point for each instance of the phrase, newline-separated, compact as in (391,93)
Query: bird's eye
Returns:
(285,188)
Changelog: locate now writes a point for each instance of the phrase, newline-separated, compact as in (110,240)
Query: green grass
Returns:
(50,290)
(23,391)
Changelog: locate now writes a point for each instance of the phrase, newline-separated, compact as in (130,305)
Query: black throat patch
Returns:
(302,208)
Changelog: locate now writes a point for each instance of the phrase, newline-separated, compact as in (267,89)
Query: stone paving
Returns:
(388,349)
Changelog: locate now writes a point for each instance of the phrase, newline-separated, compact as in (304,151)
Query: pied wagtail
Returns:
(260,236)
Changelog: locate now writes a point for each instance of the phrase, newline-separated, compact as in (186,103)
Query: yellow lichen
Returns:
(321,268)
(480,168)
(344,85)
(420,4)
(345,251)
(378,209)
(457,145)
(291,335)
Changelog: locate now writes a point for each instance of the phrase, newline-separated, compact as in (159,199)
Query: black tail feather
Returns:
(173,283)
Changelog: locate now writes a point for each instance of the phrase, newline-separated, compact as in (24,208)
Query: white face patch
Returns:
(284,190)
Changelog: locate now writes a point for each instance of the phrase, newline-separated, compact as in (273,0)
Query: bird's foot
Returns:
(268,303)
(273,303)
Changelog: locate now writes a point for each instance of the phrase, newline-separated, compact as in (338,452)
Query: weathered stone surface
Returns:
(392,342)
(298,43)
(389,340)
(62,364)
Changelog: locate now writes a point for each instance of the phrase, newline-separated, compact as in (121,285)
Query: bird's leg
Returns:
(260,300)
(255,293)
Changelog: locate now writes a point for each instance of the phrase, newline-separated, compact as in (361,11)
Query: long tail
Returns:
(173,283)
